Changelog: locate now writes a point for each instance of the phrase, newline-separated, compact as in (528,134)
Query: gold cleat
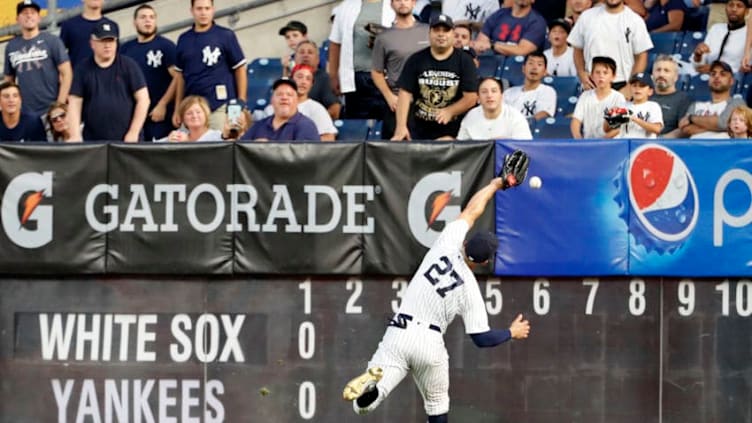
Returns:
(362,384)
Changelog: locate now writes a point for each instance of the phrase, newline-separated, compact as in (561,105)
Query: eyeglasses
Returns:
(56,118)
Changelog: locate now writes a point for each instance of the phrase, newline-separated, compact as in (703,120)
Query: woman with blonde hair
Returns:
(194,112)
(740,123)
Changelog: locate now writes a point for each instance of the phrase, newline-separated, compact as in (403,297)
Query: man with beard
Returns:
(674,103)
(515,31)
(534,99)
(155,56)
(307,53)
(442,81)
(613,31)
(709,119)
(37,62)
(390,51)
(724,41)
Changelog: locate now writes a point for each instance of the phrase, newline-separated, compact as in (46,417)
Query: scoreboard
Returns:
(281,349)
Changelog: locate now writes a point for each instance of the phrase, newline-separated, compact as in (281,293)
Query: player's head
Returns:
(145,20)
(481,247)
(603,71)
(463,34)
(10,98)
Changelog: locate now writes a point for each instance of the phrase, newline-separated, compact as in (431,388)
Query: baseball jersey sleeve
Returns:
(656,113)
(536,31)
(579,108)
(58,51)
(235,55)
(548,100)
(474,314)
(576,38)
(134,76)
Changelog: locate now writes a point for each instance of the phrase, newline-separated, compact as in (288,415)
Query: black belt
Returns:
(402,319)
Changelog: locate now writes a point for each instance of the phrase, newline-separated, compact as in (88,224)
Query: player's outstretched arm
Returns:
(513,172)
(519,329)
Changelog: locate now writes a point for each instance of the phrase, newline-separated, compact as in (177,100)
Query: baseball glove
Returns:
(514,169)
(617,116)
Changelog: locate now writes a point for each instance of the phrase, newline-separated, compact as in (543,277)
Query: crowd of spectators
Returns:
(425,70)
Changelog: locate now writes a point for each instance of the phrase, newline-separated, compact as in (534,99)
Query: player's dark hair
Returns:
(311,42)
(194,1)
(537,54)
(605,61)
(465,25)
(483,79)
(142,7)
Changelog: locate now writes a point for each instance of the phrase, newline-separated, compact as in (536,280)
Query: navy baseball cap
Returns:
(642,78)
(566,26)
(481,247)
(442,20)
(294,26)
(721,64)
(26,3)
(104,30)
(285,81)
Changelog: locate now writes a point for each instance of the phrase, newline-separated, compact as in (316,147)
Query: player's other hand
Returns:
(520,328)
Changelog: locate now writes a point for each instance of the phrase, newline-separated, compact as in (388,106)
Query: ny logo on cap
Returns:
(106,27)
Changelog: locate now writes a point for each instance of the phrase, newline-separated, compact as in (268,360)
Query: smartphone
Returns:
(233,113)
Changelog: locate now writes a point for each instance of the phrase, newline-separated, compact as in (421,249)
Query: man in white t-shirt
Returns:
(587,119)
(708,119)
(534,99)
(611,30)
(559,57)
(493,119)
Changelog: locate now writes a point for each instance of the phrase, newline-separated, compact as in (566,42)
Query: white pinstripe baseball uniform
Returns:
(442,288)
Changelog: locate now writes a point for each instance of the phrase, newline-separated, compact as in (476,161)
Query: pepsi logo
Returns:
(663,198)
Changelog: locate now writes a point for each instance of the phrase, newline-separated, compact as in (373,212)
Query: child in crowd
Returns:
(560,56)
(587,119)
(646,117)
(740,123)
(294,32)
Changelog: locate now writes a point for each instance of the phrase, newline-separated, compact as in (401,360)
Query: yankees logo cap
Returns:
(481,247)
(24,4)
(642,78)
(104,30)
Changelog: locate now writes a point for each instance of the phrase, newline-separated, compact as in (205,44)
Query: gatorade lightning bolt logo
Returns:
(664,204)
(438,205)
(30,204)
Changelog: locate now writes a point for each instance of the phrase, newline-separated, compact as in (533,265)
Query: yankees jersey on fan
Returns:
(650,112)
(530,102)
(444,286)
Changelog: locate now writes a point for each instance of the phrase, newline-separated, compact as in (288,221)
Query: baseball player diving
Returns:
(443,287)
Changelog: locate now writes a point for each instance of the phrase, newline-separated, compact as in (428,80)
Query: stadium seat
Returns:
(258,94)
(490,65)
(512,70)
(689,42)
(697,87)
(552,128)
(267,69)
(567,90)
(374,130)
(666,42)
(353,129)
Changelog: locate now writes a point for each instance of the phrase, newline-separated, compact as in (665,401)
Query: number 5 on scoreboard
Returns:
(593,284)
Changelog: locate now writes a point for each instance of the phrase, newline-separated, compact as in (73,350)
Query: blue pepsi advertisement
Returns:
(689,209)
(673,208)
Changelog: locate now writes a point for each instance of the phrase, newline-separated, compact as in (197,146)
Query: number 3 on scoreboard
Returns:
(436,270)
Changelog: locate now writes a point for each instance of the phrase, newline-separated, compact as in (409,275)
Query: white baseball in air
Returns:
(535,182)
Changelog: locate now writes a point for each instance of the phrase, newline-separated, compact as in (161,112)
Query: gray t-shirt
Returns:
(394,46)
(34,64)
(369,13)
(674,107)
